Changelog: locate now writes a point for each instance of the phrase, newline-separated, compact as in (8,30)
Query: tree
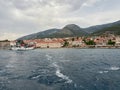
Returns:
(77,38)
(66,43)
(90,42)
(110,42)
(73,39)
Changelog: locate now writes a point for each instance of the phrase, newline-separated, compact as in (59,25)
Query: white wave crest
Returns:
(103,72)
(36,77)
(61,75)
(48,57)
(114,68)
(65,61)
(9,66)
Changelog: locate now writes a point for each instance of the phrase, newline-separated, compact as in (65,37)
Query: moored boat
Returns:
(22,48)
(20,45)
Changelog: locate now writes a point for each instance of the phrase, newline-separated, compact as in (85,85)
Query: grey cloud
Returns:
(25,4)
(74,4)
(28,16)
(36,9)
(8,21)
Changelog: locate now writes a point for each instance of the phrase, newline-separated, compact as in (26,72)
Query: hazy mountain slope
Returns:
(115,29)
(96,28)
(43,34)
(73,30)
(68,31)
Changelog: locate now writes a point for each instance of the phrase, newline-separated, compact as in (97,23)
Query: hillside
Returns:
(112,29)
(70,30)
(97,28)
(73,30)
(44,34)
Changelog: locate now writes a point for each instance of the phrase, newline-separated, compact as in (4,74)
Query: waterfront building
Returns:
(118,40)
(48,43)
(5,44)
(78,42)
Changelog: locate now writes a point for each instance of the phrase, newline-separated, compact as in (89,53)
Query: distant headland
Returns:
(71,36)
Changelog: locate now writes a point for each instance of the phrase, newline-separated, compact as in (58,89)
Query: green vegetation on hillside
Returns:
(113,29)
(73,30)
(110,42)
(66,43)
(89,42)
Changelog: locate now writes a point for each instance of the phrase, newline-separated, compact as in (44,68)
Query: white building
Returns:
(117,40)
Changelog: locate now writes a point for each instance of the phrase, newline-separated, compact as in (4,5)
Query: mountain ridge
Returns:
(73,30)
(92,29)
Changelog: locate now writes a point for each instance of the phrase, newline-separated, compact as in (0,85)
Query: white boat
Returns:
(22,48)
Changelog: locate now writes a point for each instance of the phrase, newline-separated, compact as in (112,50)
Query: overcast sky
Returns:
(22,17)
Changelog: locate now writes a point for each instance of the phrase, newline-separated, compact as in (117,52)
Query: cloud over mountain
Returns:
(28,16)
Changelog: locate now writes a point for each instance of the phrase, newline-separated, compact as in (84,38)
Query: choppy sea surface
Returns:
(60,69)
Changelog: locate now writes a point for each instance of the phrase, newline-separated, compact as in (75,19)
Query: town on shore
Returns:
(107,40)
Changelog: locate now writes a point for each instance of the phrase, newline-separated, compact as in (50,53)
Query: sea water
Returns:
(60,69)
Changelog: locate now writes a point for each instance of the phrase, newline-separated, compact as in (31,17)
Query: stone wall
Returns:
(4,45)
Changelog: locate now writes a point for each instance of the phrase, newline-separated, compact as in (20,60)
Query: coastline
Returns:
(87,47)
(69,47)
